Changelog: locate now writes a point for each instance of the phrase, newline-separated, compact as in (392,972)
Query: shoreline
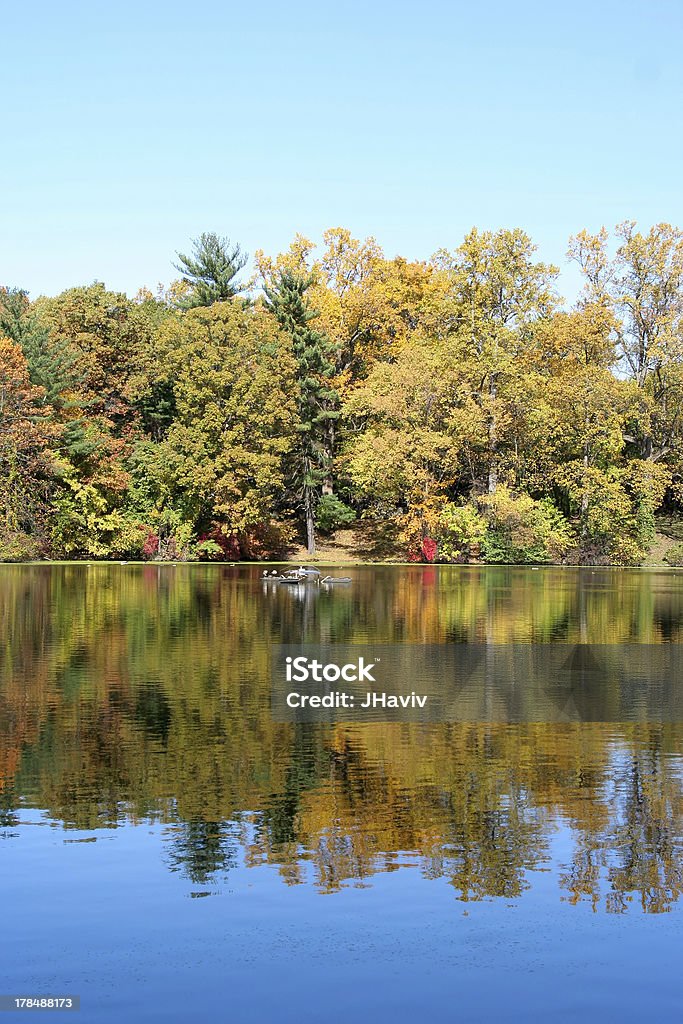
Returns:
(593,566)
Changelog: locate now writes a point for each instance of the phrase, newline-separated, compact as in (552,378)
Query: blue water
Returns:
(169,853)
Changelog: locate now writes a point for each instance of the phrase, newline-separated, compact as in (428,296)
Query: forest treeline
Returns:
(452,409)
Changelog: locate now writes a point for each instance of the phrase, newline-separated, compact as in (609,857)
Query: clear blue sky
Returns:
(129,128)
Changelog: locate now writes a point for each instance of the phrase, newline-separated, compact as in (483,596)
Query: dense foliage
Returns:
(452,406)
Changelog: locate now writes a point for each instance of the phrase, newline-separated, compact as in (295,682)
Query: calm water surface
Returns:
(171,853)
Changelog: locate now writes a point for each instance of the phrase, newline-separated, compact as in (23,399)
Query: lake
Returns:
(169,851)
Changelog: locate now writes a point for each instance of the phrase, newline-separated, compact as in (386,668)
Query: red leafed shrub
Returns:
(267,540)
(229,544)
(423,551)
(258,543)
(150,546)
(429,549)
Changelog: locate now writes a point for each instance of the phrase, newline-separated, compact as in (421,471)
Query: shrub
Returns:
(674,556)
(420,523)
(332,514)
(19,547)
(219,546)
(429,549)
(614,509)
(150,546)
(258,543)
(462,530)
(208,547)
(522,530)
(267,540)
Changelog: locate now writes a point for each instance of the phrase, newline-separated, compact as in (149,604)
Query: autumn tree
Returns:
(368,305)
(498,291)
(108,334)
(53,364)
(226,450)
(643,282)
(25,458)
(406,450)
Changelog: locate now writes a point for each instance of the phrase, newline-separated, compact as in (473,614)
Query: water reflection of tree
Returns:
(647,848)
(202,850)
(637,852)
(145,694)
(309,762)
(9,802)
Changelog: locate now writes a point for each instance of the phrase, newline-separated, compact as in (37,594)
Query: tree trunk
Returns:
(328,482)
(493,441)
(647,446)
(310,521)
(584,496)
(493,478)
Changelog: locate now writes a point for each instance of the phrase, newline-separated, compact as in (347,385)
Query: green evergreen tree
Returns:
(211,270)
(317,400)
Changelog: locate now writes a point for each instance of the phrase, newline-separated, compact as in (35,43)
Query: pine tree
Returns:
(211,270)
(317,400)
